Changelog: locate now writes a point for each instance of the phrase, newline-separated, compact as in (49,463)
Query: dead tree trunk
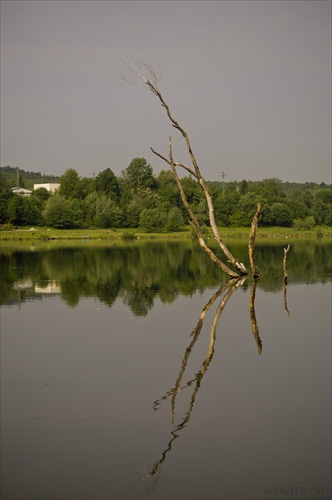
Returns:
(152,82)
(286,250)
(254,225)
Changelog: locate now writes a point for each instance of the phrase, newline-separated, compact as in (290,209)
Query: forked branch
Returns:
(144,75)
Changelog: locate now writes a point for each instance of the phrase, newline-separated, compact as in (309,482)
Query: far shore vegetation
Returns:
(138,204)
(31,234)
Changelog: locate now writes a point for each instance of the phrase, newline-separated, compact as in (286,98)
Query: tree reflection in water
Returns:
(150,479)
(252,314)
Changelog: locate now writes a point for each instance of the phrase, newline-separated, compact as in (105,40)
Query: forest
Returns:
(138,198)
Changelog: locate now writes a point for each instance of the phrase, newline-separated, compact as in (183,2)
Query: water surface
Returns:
(139,371)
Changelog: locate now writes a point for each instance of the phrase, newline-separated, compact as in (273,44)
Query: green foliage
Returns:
(167,189)
(24,211)
(16,210)
(85,187)
(248,205)
(139,174)
(58,212)
(307,223)
(174,220)
(42,194)
(26,178)
(5,196)
(103,212)
(108,201)
(225,206)
(69,183)
(243,188)
(153,220)
(193,191)
(107,183)
(128,236)
(324,195)
(282,215)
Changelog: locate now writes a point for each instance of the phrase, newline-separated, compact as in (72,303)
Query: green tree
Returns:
(139,174)
(24,211)
(238,219)
(107,183)
(132,213)
(153,220)
(324,195)
(16,210)
(84,187)
(167,189)
(321,212)
(248,206)
(299,209)
(307,223)
(136,202)
(282,215)
(5,197)
(174,220)
(107,213)
(58,212)
(272,189)
(243,188)
(225,206)
(266,217)
(193,191)
(42,194)
(69,183)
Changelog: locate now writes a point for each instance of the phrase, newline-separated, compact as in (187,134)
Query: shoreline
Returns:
(47,234)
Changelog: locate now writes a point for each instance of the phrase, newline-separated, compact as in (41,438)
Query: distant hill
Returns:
(27,179)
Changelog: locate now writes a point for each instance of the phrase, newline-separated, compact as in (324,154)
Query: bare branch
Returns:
(176,164)
(152,80)
(160,156)
(194,222)
(252,238)
(135,72)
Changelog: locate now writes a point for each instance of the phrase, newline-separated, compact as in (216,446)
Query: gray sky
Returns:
(250,81)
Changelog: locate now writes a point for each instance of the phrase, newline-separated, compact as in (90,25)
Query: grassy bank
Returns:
(44,234)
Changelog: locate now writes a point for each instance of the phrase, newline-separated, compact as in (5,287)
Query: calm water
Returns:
(138,371)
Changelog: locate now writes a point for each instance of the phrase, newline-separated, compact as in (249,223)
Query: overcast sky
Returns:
(250,81)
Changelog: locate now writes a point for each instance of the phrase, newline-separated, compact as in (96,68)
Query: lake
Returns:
(138,370)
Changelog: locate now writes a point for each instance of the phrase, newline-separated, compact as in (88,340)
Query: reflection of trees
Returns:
(141,271)
(227,289)
(135,272)
(139,300)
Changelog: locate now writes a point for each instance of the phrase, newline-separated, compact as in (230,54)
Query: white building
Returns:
(50,186)
(50,287)
(23,191)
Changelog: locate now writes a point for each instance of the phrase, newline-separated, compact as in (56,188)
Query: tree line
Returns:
(139,199)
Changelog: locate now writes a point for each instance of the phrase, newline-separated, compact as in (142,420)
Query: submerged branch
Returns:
(252,314)
(285,300)
(286,250)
